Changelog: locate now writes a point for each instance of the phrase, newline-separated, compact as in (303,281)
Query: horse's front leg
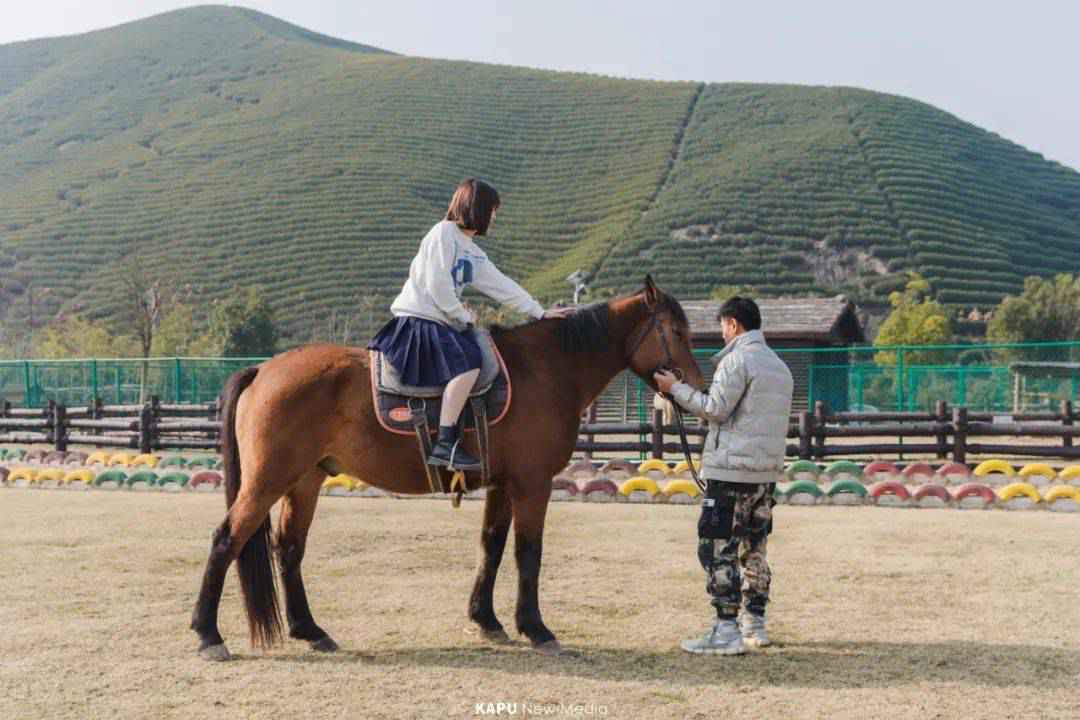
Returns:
(496,527)
(529,503)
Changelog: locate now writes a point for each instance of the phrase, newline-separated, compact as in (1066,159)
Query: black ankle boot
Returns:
(449,453)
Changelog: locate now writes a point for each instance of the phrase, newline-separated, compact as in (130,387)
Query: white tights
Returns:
(455,396)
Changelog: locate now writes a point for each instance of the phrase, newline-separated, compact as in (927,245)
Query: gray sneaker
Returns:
(723,639)
(752,627)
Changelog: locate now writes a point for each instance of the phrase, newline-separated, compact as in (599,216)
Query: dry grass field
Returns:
(877,613)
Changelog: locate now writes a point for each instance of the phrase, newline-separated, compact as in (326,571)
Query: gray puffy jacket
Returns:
(748,409)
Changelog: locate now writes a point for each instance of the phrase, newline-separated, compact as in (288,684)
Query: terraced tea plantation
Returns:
(218,147)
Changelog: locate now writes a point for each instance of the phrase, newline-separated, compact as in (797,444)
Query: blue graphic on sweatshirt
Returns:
(462,272)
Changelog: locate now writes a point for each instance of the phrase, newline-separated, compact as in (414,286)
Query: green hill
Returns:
(220,147)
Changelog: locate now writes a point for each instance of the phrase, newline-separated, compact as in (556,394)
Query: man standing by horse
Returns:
(747,408)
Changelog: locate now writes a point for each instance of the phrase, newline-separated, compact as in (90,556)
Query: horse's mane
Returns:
(589,328)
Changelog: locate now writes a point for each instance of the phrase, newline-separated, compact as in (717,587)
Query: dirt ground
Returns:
(877,613)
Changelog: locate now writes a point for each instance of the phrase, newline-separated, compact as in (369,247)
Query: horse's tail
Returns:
(254,562)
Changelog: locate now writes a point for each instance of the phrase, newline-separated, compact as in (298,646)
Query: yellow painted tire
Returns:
(681,486)
(639,483)
(97,458)
(653,464)
(84,476)
(122,459)
(147,460)
(683,467)
(1016,489)
(53,474)
(341,481)
(27,474)
(1070,473)
(1062,492)
(990,467)
(1038,470)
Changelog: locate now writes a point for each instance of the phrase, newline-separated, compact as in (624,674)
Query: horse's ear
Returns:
(652,294)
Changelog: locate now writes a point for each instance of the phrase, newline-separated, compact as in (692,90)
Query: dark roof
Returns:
(826,320)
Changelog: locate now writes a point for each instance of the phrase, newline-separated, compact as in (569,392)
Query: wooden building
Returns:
(792,325)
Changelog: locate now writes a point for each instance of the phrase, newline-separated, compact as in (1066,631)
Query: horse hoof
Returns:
(551,648)
(326,645)
(498,637)
(215,653)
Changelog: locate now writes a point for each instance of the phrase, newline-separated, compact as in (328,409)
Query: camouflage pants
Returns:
(735,523)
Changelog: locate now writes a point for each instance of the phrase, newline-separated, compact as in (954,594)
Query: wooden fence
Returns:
(947,432)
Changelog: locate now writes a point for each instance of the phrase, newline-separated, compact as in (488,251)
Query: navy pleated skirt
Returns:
(425,352)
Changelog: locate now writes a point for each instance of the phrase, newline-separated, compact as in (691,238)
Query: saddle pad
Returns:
(393,413)
(388,380)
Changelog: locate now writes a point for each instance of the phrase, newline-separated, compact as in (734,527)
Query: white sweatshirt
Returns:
(448,261)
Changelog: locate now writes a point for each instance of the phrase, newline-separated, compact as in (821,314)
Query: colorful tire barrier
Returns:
(75,457)
(880,470)
(15,455)
(916,473)
(846,492)
(206,463)
(682,469)
(1062,498)
(617,470)
(56,457)
(993,467)
(145,460)
(889,492)
(681,490)
(52,477)
(1038,474)
(953,473)
(120,459)
(974,494)
(206,479)
(803,492)
(843,468)
(931,495)
(581,470)
(599,489)
(639,489)
(343,484)
(1019,491)
(22,477)
(35,456)
(146,478)
(801,468)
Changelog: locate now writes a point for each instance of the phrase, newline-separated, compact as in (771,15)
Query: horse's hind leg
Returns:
(297,512)
(241,522)
(497,518)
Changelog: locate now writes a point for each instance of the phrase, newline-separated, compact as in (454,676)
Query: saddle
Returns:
(405,409)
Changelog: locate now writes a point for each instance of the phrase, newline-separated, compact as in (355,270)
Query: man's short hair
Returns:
(744,310)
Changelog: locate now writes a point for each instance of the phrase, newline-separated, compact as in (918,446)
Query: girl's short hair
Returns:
(472,206)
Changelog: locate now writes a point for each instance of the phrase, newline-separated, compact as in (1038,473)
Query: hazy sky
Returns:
(1011,68)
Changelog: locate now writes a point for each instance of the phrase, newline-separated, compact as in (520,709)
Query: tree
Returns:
(175,335)
(242,325)
(73,337)
(1047,309)
(724,292)
(916,319)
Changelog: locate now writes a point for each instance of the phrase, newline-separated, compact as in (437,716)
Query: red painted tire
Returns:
(605,487)
(880,467)
(4,472)
(35,456)
(581,468)
(619,466)
(565,484)
(914,471)
(973,489)
(889,487)
(932,490)
(206,476)
(56,457)
(953,472)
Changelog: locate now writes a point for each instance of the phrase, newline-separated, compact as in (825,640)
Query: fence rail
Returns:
(946,432)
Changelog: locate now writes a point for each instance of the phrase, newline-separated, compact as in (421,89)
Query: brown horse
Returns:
(308,412)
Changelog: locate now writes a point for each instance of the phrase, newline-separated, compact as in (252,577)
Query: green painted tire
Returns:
(804,487)
(846,486)
(146,476)
(208,463)
(117,476)
(843,467)
(802,466)
(180,479)
(173,461)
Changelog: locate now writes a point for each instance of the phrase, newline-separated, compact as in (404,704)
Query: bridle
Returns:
(669,365)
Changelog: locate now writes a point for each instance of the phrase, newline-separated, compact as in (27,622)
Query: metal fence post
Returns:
(900,380)
(177,377)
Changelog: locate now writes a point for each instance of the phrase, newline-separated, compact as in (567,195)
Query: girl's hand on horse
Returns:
(559,313)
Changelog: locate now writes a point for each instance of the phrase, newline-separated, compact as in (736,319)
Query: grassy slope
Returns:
(225,147)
